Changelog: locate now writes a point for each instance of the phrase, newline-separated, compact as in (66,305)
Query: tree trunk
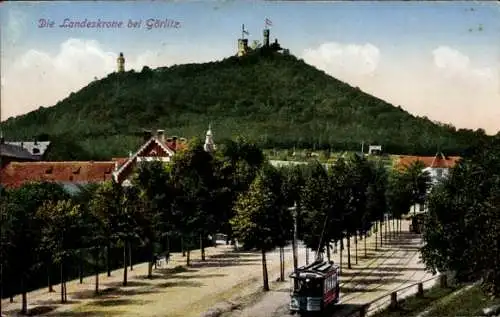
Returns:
(108,259)
(356,247)
(151,262)
(381,229)
(393,228)
(328,255)
(376,238)
(130,256)
(80,266)
(24,300)
(61,266)
(125,257)
(335,247)
(182,247)
(386,225)
(264,272)
(307,256)
(349,251)
(366,255)
(49,280)
(282,264)
(96,267)
(341,251)
(65,291)
(202,248)
(188,257)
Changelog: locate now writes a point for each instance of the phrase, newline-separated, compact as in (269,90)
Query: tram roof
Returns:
(316,269)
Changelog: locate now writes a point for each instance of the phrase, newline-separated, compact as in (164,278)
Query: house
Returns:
(156,146)
(14,153)
(21,166)
(35,148)
(437,166)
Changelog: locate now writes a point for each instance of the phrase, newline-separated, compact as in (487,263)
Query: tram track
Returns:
(404,261)
(379,264)
(387,255)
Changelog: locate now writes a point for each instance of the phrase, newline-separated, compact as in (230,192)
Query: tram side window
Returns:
(328,283)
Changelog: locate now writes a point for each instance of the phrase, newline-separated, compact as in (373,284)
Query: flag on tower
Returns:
(268,22)
(243,30)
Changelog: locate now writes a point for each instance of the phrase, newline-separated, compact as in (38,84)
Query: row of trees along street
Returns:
(49,236)
(462,232)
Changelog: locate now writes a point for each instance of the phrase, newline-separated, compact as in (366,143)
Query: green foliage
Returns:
(275,100)
(194,182)
(62,228)
(259,212)
(462,228)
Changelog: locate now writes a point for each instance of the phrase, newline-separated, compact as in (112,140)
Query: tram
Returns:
(315,287)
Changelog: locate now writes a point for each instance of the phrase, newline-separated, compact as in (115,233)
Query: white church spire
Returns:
(209,145)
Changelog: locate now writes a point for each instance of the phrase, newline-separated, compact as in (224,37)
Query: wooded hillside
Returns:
(276,100)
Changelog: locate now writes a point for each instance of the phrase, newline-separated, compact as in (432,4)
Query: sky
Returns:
(434,59)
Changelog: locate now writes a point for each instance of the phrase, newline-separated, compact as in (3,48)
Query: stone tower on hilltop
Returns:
(121,63)
(243,42)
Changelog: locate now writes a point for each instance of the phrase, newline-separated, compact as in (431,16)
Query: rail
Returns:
(391,299)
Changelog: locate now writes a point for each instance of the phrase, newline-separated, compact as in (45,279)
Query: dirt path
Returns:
(174,291)
(394,267)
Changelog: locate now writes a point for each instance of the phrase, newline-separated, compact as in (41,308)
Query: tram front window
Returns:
(309,288)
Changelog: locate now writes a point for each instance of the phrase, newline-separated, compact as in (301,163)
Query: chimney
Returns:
(161,135)
(147,135)
(35,141)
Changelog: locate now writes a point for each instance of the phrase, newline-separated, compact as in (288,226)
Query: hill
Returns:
(277,100)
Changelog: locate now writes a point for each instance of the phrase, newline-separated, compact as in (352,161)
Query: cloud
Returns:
(444,85)
(38,78)
(15,24)
(344,59)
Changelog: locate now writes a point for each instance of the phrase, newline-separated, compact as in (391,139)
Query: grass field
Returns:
(441,302)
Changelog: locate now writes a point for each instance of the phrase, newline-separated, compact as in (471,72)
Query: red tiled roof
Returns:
(16,173)
(154,147)
(119,160)
(429,161)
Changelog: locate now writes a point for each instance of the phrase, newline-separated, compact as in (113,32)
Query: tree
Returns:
(83,197)
(61,234)
(105,210)
(193,176)
(377,198)
(6,234)
(127,226)
(152,180)
(315,205)
(292,186)
(462,227)
(236,165)
(23,205)
(256,222)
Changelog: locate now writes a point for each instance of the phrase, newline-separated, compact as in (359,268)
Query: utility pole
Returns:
(295,233)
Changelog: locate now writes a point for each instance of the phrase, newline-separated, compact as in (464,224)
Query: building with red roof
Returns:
(25,168)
